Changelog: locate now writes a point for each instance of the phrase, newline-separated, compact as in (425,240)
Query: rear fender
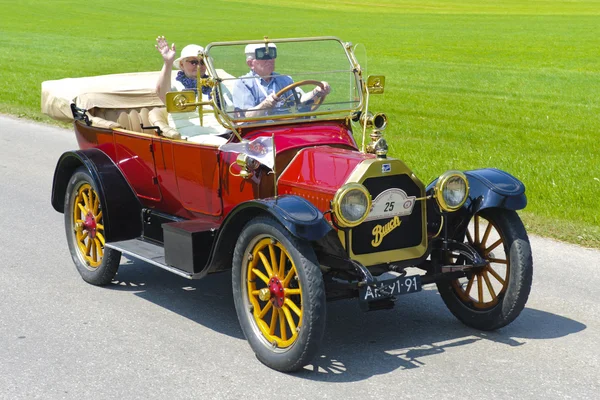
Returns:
(121,208)
(297,215)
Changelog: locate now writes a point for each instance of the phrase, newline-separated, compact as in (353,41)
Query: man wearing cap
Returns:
(255,92)
(188,64)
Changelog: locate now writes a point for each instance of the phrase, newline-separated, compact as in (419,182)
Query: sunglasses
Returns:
(195,62)
(265,53)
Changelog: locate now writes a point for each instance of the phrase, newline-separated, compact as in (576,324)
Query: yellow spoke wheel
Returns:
(89,229)
(85,223)
(491,296)
(279,294)
(274,292)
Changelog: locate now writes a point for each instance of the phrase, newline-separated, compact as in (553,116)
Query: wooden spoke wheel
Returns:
(88,229)
(492,296)
(84,225)
(482,287)
(279,294)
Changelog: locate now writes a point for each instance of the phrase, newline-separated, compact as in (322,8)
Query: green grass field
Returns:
(507,84)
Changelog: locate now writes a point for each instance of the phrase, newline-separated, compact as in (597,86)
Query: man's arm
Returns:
(244,100)
(316,92)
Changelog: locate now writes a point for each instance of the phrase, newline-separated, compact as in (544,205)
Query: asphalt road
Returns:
(152,334)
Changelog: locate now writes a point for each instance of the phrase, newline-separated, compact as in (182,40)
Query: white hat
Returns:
(191,50)
(251,48)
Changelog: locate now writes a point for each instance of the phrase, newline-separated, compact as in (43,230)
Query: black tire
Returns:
(285,349)
(501,291)
(85,231)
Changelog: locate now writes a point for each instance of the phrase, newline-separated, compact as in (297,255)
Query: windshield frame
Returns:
(277,119)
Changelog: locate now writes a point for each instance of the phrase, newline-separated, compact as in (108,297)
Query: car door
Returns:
(196,169)
(135,157)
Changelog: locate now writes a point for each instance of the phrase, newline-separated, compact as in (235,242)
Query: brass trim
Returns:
(439,187)
(375,84)
(372,168)
(231,123)
(337,199)
(442,222)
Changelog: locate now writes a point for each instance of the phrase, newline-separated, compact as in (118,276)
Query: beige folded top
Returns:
(133,90)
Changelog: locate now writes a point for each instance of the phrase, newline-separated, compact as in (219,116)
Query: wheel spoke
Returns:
(260,275)
(99,226)
(489,285)
(291,292)
(289,276)
(479,289)
(470,285)
(98,247)
(85,200)
(282,259)
(88,248)
(294,307)
(83,210)
(288,317)
(476,228)
(498,260)
(95,205)
(487,233)
(93,251)
(266,264)
(273,324)
(273,263)
(99,216)
(492,247)
(495,275)
(265,309)
(282,327)
(469,238)
(101,238)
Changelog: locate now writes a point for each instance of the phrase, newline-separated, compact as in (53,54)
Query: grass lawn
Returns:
(508,84)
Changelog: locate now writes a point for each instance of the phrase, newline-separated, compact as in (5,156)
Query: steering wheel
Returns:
(317,100)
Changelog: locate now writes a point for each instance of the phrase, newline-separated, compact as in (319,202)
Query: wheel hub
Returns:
(90,224)
(277,293)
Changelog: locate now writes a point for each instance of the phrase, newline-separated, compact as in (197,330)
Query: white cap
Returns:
(191,50)
(251,48)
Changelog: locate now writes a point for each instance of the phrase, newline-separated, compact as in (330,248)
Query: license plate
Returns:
(390,287)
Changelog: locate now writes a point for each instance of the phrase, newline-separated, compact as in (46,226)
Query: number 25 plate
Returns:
(390,287)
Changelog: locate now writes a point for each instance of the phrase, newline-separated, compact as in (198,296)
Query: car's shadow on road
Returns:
(356,344)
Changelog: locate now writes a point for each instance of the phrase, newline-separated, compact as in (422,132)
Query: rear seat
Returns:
(129,119)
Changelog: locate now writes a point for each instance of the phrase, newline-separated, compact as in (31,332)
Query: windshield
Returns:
(284,80)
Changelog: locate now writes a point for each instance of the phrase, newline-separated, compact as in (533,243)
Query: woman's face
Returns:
(190,67)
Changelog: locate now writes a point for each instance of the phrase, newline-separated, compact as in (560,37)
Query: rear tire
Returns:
(279,295)
(84,226)
(492,297)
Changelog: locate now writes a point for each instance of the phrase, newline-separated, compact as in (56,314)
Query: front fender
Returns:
(300,217)
(121,208)
(491,187)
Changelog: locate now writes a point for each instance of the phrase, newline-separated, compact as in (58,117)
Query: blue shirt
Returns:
(251,90)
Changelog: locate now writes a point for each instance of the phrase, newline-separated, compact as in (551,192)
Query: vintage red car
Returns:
(284,196)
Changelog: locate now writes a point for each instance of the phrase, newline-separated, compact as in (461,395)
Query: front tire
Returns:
(493,296)
(84,225)
(279,295)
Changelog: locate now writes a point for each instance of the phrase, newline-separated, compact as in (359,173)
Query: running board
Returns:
(149,252)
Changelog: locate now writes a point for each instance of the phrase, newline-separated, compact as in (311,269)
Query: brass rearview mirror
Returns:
(375,84)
